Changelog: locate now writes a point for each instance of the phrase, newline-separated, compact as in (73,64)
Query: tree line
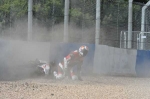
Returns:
(114,13)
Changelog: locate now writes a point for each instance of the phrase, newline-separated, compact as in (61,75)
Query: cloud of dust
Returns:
(15,62)
(16,52)
(18,31)
(81,35)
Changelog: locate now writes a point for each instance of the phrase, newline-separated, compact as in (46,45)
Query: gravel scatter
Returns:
(101,87)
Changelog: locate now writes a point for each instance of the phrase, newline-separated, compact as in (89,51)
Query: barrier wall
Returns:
(143,63)
(103,60)
(114,61)
(107,60)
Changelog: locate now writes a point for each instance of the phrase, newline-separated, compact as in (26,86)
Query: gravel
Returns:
(93,87)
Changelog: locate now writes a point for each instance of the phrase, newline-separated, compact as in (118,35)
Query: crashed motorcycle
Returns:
(41,68)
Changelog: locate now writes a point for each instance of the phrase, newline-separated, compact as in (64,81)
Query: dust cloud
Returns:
(17,52)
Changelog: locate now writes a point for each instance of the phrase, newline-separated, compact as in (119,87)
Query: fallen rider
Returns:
(65,69)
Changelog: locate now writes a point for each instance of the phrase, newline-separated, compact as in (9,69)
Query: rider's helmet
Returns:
(83,50)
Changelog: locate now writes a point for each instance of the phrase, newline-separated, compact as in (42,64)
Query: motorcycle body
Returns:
(41,68)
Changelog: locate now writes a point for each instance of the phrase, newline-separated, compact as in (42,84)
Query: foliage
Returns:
(82,12)
(42,10)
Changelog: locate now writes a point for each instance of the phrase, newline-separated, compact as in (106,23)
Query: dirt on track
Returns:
(101,87)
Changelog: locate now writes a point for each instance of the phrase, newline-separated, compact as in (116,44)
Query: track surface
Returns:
(102,87)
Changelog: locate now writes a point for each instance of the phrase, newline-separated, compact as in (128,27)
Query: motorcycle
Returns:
(40,67)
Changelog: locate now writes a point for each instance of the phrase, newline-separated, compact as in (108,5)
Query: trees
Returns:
(11,10)
(82,13)
(139,1)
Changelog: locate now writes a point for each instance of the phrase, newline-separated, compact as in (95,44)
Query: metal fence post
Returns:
(130,24)
(30,2)
(66,19)
(98,3)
